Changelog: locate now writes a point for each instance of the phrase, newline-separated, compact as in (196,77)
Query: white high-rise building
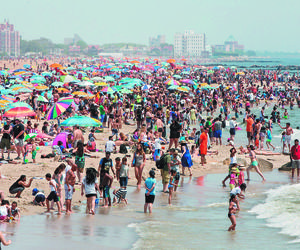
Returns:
(189,44)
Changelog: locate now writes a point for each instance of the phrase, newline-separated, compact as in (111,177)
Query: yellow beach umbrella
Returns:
(42,87)
(182,89)
(101,84)
(80,93)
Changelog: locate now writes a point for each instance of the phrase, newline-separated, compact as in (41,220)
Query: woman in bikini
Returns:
(254,163)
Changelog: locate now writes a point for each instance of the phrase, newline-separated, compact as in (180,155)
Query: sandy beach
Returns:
(43,166)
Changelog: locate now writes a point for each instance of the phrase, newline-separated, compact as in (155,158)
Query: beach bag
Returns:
(123,149)
(160,164)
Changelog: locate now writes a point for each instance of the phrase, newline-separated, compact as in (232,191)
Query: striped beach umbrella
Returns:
(19,112)
(55,111)
(172,82)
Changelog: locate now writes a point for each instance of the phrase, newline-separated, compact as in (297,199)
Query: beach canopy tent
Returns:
(61,137)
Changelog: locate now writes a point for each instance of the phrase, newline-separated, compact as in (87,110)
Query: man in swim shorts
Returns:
(288,131)
(295,157)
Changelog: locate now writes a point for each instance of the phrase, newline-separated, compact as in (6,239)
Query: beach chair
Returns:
(59,156)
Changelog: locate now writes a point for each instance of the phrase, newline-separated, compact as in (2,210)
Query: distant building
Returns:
(159,47)
(157,41)
(9,39)
(189,44)
(72,40)
(230,47)
(93,49)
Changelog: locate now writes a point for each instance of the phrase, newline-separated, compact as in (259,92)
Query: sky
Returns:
(258,24)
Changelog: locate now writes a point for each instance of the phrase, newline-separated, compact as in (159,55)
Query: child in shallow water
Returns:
(233,178)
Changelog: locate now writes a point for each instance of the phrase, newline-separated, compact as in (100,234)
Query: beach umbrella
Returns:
(136,81)
(49,74)
(63,90)
(19,112)
(97,79)
(108,90)
(188,81)
(7,98)
(7,92)
(102,84)
(57,84)
(172,82)
(23,90)
(67,78)
(41,99)
(18,105)
(16,86)
(55,65)
(134,61)
(82,121)
(41,88)
(30,136)
(66,101)
(177,76)
(37,79)
(55,111)
(109,79)
(172,87)
(85,83)
(171,61)
(80,93)
(182,89)
(125,91)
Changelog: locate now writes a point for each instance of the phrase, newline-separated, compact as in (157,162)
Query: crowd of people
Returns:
(169,114)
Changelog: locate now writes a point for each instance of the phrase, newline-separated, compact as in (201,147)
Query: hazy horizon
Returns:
(259,25)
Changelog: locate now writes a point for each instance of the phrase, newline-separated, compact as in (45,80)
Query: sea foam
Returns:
(281,210)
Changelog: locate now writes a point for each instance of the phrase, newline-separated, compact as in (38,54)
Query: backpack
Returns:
(160,164)
(123,149)
(223,124)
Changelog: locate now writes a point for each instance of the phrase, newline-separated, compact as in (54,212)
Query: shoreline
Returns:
(11,172)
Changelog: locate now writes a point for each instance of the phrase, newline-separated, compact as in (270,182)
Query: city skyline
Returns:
(255,24)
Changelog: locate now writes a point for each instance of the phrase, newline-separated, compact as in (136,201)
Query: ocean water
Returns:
(271,62)
(241,135)
(197,219)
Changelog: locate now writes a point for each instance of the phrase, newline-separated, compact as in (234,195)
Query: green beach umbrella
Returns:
(82,121)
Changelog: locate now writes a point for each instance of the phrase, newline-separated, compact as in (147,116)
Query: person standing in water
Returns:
(150,192)
(254,163)
(231,212)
